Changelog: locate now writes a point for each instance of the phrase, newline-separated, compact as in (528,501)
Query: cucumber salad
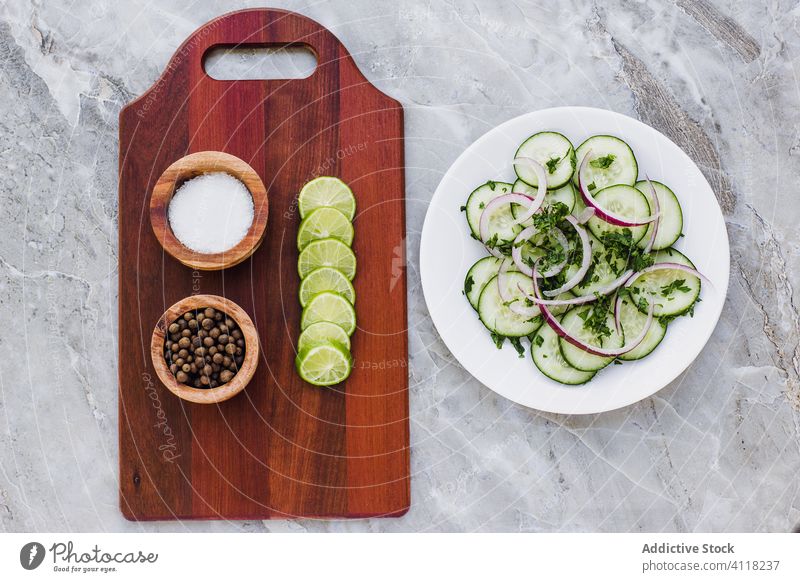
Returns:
(580,258)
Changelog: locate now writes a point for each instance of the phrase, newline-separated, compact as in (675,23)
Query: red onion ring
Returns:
(586,260)
(493,205)
(605,215)
(657,221)
(607,290)
(541,178)
(670,266)
(563,333)
(618,313)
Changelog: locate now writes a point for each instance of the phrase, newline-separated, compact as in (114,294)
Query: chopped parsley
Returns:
(552,163)
(517,346)
(595,319)
(463,209)
(677,285)
(620,247)
(550,216)
(502,245)
(537,340)
(491,185)
(604,162)
(498,339)
(468,284)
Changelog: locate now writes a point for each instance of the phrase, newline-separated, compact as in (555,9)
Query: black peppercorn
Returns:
(204,349)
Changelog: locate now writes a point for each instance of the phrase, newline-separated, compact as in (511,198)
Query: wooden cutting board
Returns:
(282,448)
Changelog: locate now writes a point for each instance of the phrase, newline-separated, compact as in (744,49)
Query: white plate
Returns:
(447,251)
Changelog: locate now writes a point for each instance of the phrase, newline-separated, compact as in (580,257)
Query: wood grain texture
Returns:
(209,395)
(281,448)
(189,167)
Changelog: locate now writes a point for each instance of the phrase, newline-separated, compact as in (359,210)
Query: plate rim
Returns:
(721,289)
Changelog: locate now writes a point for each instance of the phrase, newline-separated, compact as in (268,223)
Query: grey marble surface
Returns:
(717,450)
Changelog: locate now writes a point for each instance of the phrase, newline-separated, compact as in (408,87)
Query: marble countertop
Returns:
(717,450)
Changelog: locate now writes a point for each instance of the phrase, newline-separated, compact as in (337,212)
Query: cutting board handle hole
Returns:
(235,63)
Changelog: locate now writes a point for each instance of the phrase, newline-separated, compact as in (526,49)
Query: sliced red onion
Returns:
(657,221)
(618,313)
(516,306)
(607,290)
(541,178)
(493,205)
(562,332)
(586,260)
(670,266)
(605,215)
(585,215)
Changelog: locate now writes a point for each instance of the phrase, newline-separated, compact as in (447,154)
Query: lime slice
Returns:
(326,191)
(326,279)
(324,223)
(327,252)
(331,307)
(320,333)
(324,364)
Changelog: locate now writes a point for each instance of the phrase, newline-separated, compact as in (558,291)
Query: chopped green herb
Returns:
(517,346)
(592,186)
(595,318)
(502,245)
(677,285)
(604,162)
(552,163)
(498,339)
(538,340)
(468,284)
(463,209)
(491,185)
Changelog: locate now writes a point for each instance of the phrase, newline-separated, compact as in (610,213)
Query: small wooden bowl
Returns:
(190,167)
(206,395)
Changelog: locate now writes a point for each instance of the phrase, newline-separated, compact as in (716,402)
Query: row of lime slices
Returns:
(326,267)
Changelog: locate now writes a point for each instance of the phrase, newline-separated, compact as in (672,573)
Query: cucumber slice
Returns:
(554,152)
(478,200)
(546,354)
(612,162)
(477,277)
(625,201)
(602,272)
(671,223)
(573,322)
(632,321)
(566,195)
(664,287)
(496,315)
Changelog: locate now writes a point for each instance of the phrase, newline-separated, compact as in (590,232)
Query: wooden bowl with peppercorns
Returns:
(205,349)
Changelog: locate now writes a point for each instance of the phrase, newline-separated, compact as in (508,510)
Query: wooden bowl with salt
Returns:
(243,375)
(192,166)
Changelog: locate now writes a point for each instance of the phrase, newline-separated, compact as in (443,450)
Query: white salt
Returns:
(211,213)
